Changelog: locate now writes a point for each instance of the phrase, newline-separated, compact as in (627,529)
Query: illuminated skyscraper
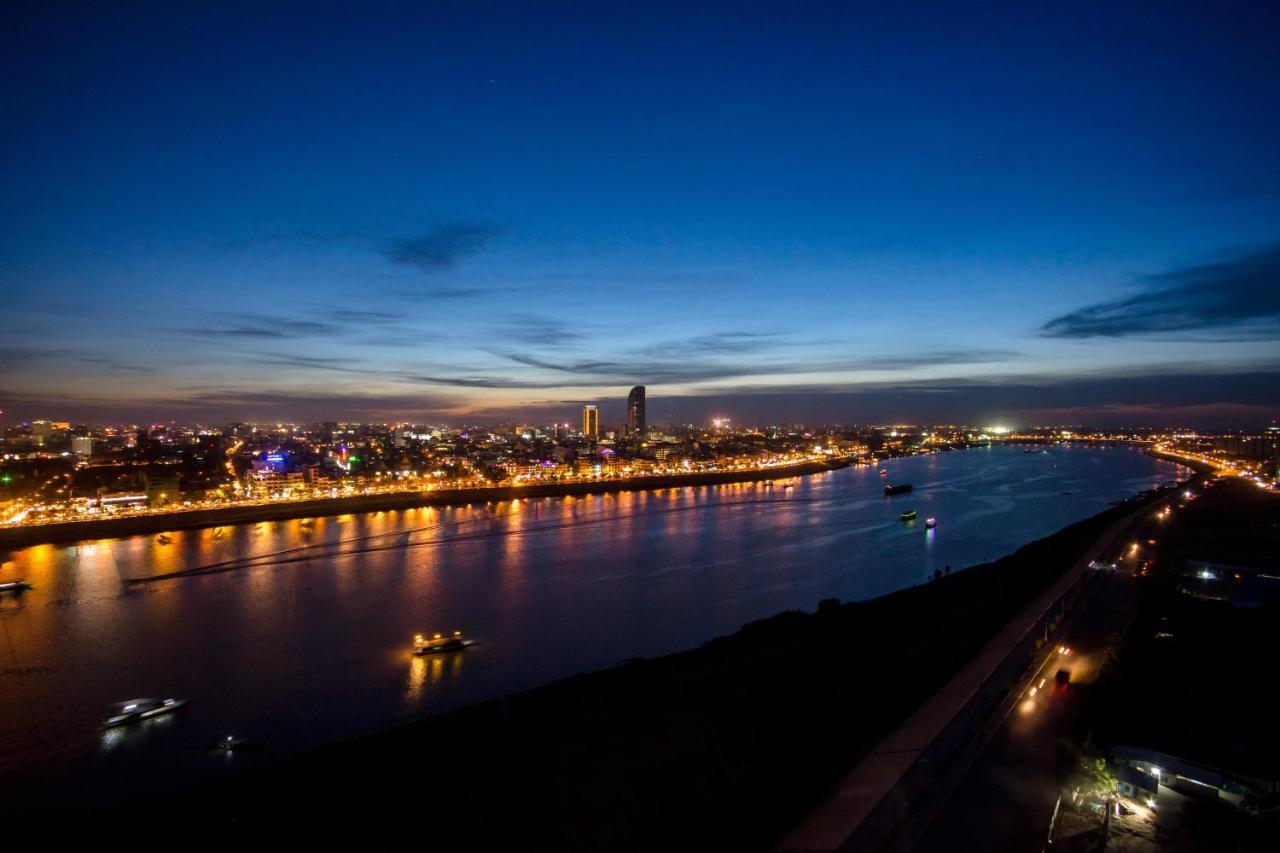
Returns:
(635,411)
(590,421)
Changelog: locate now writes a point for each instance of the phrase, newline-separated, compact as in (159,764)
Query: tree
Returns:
(1100,782)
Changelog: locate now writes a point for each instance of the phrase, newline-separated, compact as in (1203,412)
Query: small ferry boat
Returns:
(909,515)
(438,643)
(930,523)
(14,586)
(134,710)
(901,489)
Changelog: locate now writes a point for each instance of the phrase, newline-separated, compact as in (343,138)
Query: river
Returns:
(313,644)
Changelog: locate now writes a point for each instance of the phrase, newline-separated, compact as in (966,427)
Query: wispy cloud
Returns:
(443,246)
(719,343)
(679,367)
(539,331)
(24,357)
(259,326)
(1238,298)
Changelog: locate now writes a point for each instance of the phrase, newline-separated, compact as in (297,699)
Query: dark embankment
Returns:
(114,528)
(721,748)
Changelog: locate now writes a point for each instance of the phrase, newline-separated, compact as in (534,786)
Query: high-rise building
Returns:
(82,445)
(41,432)
(590,421)
(635,411)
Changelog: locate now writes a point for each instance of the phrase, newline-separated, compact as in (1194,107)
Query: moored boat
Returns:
(19,585)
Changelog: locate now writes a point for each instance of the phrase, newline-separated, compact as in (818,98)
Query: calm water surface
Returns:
(313,645)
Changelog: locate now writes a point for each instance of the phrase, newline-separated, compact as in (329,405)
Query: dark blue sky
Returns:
(845,212)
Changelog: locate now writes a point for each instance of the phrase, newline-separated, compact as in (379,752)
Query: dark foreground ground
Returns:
(1194,674)
(724,747)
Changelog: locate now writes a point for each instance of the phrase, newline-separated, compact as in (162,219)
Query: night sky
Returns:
(854,212)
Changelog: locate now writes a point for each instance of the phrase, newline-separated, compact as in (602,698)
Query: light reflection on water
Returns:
(313,645)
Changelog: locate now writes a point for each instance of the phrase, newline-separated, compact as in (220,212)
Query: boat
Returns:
(884,472)
(909,515)
(438,643)
(231,744)
(930,523)
(15,586)
(163,539)
(135,710)
(901,489)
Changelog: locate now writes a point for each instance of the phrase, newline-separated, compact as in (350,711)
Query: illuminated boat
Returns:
(909,515)
(884,472)
(438,643)
(900,489)
(231,743)
(135,710)
(14,586)
(930,523)
(163,539)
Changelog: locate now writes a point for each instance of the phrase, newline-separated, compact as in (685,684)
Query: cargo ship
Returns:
(900,489)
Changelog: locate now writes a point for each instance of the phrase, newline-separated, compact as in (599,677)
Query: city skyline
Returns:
(818,215)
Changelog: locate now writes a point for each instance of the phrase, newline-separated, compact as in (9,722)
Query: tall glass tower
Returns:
(635,411)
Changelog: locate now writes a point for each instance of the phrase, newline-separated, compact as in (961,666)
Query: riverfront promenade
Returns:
(134,525)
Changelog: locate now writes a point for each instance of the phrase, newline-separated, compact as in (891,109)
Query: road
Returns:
(1006,800)
(938,766)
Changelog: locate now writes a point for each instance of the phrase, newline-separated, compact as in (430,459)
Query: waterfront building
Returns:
(635,411)
(160,488)
(590,421)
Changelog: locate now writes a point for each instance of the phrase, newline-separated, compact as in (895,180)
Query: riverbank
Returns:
(722,747)
(12,538)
